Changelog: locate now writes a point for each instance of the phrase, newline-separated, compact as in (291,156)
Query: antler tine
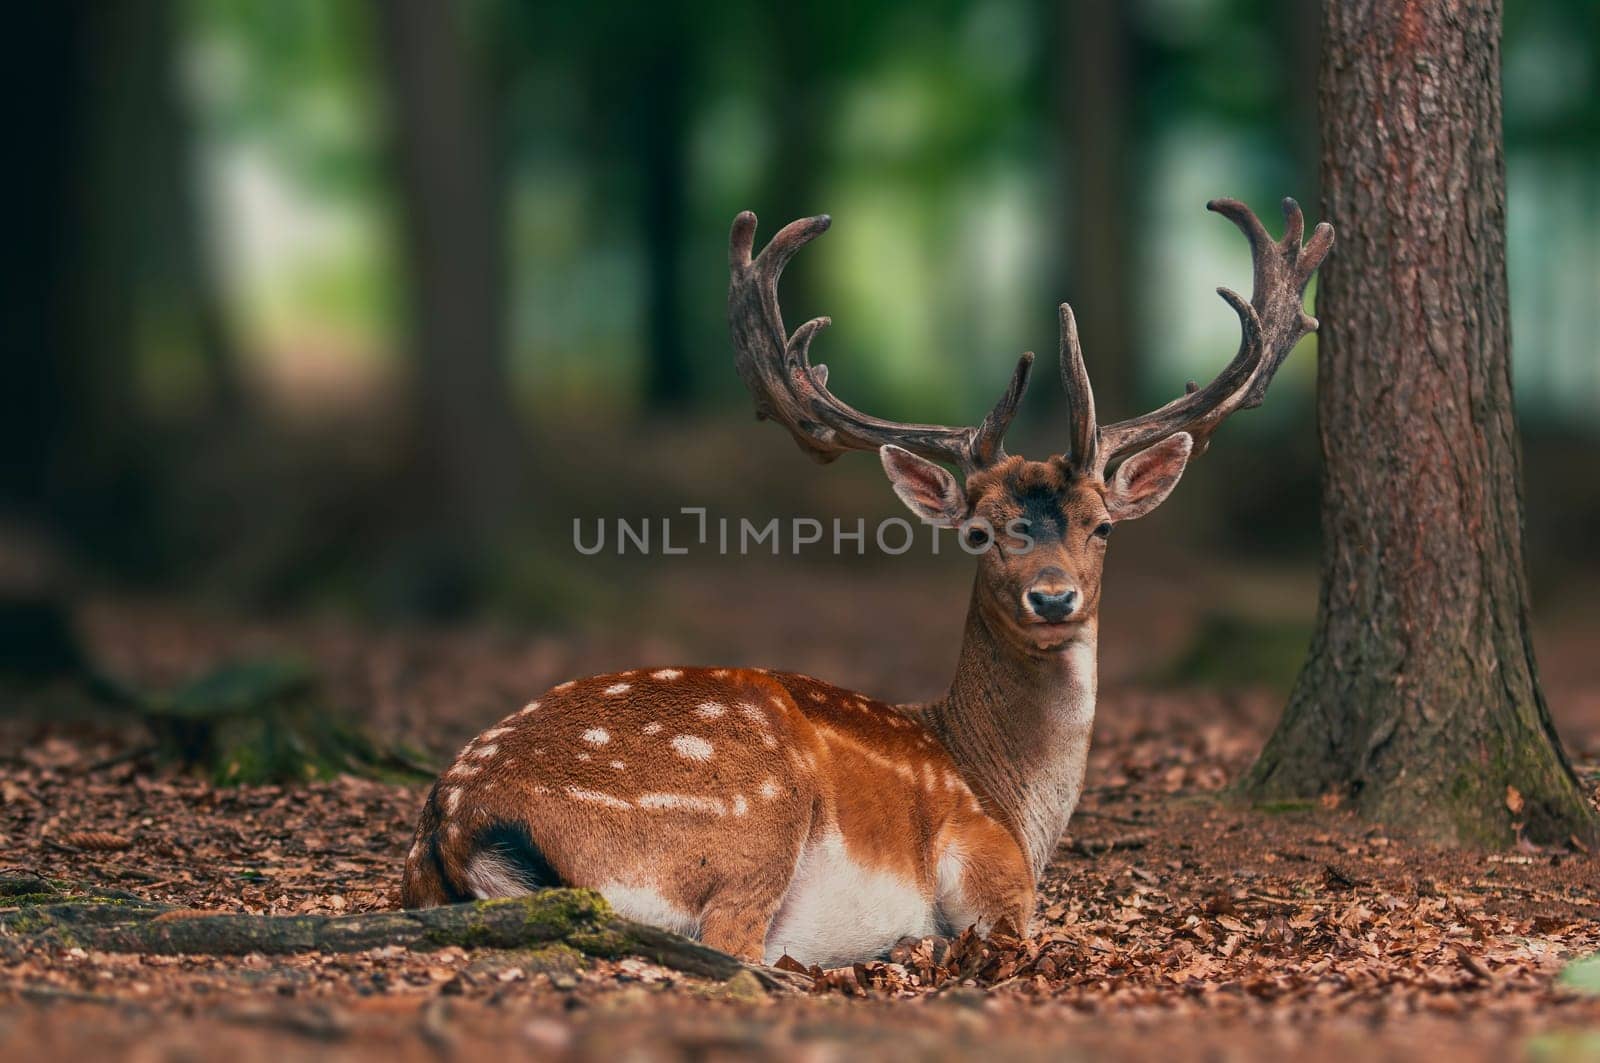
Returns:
(787,388)
(1084,442)
(1270,325)
(988,442)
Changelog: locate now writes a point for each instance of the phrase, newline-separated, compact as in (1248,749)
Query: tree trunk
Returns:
(86,80)
(466,431)
(1095,115)
(1297,29)
(47,109)
(194,278)
(1420,702)
(662,136)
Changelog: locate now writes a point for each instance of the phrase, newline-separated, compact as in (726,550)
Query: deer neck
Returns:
(1017,725)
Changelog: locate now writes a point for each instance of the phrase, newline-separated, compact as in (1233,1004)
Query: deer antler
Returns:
(776,367)
(1272,322)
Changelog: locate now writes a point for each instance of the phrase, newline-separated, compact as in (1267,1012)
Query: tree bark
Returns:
(1420,702)
(85,77)
(1096,115)
(465,428)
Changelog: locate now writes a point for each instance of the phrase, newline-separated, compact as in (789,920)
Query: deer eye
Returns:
(1103,530)
(977,535)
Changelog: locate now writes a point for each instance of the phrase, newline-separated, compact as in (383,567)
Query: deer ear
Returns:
(1145,480)
(928,490)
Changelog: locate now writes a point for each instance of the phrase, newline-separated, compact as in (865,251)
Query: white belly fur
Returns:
(838,912)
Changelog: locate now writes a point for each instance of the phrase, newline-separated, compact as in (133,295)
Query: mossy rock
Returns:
(266,721)
(1285,806)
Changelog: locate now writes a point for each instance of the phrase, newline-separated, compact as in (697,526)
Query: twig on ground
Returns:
(46,994)
(120,758)
(1527,891)
(1100,846)
(1126,821)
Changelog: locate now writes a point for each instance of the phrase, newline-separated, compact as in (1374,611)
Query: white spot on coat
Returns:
(651,728)
(684,803)
(691,747)
(619,765)
(485,752)
(594,797)
(493,733)
(753,713)
(666,674)
(564,686)
(452,801)
(710,710)
(618,688)
(740,805)
(463,770)
(769,789)
(596,736)
(530,707)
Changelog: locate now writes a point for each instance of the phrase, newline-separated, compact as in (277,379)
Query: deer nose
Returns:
(1052,606)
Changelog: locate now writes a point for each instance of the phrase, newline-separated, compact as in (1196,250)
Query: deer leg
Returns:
(738,925)
(989,885)
(739,914)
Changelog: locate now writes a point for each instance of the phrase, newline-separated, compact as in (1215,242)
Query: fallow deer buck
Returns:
(769,813)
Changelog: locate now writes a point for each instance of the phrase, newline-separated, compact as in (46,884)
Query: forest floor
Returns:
(1173,921)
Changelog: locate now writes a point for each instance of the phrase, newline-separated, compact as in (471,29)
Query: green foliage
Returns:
(1229,649)
(1582,975)
(1565,1046)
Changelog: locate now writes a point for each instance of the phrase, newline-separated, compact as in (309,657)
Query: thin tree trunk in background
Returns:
(194,277)
(662,136)
(803,62)
(1298,24)
(466,433)
(1420,702)
(1094,118)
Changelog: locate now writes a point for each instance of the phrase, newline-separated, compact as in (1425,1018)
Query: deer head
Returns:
(1041,527)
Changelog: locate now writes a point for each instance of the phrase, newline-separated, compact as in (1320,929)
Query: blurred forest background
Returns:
(330,305)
